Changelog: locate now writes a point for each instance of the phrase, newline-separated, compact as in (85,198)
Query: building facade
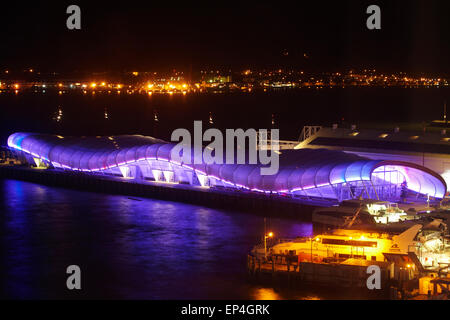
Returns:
(426,149)
(308,173)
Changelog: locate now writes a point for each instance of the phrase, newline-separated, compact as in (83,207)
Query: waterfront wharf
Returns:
(213,197)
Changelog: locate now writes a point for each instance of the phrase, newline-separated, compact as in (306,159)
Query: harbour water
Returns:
(127,247)
(84,114)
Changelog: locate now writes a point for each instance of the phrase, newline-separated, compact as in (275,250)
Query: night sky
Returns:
(415,36)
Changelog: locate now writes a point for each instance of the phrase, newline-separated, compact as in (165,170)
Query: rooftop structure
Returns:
(427,149)
(305,173)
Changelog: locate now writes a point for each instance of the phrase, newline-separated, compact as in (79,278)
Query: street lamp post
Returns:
(267,235)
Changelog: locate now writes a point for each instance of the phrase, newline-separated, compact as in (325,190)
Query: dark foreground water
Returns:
(128,248)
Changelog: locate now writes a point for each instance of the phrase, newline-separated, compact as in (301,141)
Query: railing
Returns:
(308,131)
(282,144)
(446,266)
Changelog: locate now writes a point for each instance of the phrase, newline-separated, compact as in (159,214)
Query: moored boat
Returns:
(424,245)
(360,212)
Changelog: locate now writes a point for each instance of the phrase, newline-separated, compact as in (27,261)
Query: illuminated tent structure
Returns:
(305,173)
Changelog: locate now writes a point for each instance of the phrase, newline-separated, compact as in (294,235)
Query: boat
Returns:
(422,244)
(441,214)
(360,212)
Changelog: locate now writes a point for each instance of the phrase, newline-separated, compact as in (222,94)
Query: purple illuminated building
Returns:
(303,173)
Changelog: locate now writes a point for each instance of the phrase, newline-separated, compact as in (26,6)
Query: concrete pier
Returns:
(287,272)
(256,203)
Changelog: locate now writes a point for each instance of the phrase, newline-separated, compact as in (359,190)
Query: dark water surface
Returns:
(83,114)
(127,248)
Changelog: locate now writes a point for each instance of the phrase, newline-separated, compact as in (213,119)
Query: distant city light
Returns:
(253,81)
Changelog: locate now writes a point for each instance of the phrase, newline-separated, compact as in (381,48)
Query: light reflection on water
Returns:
(265,294)
(271,294)
(127,248)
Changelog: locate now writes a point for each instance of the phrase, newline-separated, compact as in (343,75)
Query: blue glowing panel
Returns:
(337,173)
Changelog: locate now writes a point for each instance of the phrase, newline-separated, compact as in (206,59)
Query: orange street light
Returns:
(268,235)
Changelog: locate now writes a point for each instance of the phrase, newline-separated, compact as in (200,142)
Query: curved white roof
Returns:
(301,169)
